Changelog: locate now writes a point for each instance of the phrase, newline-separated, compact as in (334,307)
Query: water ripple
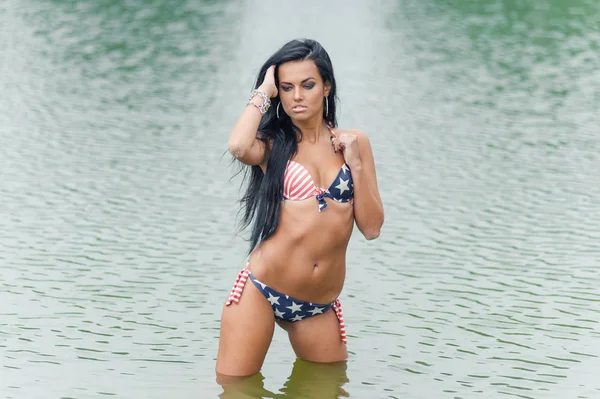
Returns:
(118,242)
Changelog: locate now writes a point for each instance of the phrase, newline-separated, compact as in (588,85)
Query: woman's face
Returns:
(301,89)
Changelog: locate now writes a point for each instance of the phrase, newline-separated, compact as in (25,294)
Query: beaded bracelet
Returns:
(264,107)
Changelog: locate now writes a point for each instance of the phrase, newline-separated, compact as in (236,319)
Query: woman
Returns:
(309,182)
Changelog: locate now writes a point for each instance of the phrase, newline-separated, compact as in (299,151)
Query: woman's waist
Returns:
(299,274)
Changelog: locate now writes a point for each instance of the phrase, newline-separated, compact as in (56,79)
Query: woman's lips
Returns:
(299,108)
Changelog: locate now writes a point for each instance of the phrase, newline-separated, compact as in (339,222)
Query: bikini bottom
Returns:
(285,308)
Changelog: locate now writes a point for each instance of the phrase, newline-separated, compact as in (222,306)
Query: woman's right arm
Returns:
(243,143)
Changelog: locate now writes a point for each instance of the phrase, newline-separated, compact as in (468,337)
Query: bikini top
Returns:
(299,185)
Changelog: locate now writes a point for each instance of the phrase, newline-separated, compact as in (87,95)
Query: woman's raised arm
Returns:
(243,143)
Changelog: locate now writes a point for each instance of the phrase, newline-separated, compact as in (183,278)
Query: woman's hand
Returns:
(348,144)
(268,85)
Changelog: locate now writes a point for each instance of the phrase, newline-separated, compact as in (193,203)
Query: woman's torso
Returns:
(306,256)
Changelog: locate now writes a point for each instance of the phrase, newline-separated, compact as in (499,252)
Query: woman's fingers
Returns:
(269,81)
(338,145)
(271,73)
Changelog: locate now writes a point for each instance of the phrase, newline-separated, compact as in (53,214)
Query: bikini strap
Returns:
(331,129)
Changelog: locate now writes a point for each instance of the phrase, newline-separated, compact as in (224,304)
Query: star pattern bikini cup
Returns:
(299,185)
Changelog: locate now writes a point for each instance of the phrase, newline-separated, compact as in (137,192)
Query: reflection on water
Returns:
(307,380)
(117,243)
(252,387)
(318,381)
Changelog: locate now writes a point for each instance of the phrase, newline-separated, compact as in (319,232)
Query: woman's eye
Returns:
(286,88)
(309,86)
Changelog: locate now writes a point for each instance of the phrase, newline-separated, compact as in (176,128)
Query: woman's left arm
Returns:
(368,208)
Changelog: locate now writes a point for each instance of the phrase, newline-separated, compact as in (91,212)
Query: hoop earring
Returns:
(326,107)
(278,109)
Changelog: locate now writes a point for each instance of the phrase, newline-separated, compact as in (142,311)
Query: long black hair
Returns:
(261,203)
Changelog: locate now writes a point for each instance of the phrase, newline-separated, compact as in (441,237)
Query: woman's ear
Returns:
(327,86)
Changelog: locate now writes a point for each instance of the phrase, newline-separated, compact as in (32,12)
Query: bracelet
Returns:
(264,107)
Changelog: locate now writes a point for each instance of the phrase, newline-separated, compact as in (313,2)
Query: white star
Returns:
(278,313)
(343,186)
(273,299)
(316,310)
(297,318)
(295,307)
(261,284)
(345,168)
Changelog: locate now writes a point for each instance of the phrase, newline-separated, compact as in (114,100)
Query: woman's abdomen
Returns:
(306,257)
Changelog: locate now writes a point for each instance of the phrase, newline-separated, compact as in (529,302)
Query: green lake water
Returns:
(118,241)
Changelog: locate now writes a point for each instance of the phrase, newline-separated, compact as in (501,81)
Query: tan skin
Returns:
(306,257)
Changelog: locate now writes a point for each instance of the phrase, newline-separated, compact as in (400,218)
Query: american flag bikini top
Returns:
(299,185)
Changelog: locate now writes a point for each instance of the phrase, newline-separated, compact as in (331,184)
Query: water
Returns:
(117,238)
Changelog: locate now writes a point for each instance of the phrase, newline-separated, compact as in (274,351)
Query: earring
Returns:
(278,109)
(326,107)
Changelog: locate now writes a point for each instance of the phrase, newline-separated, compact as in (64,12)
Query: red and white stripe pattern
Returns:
(298,184)
(238,287)
(337,307)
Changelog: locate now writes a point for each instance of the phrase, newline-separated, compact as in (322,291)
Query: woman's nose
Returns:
(297,94)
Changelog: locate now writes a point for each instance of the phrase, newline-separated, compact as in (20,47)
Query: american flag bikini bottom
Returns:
(285,308)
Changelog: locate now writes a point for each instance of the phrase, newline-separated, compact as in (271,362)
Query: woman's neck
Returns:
(312,130)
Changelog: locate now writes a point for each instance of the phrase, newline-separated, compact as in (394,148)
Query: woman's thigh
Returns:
(246,333)
(317,338)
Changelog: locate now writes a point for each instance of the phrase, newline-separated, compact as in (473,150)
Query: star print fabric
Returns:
(285,308)
(341,190)
(299,185)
